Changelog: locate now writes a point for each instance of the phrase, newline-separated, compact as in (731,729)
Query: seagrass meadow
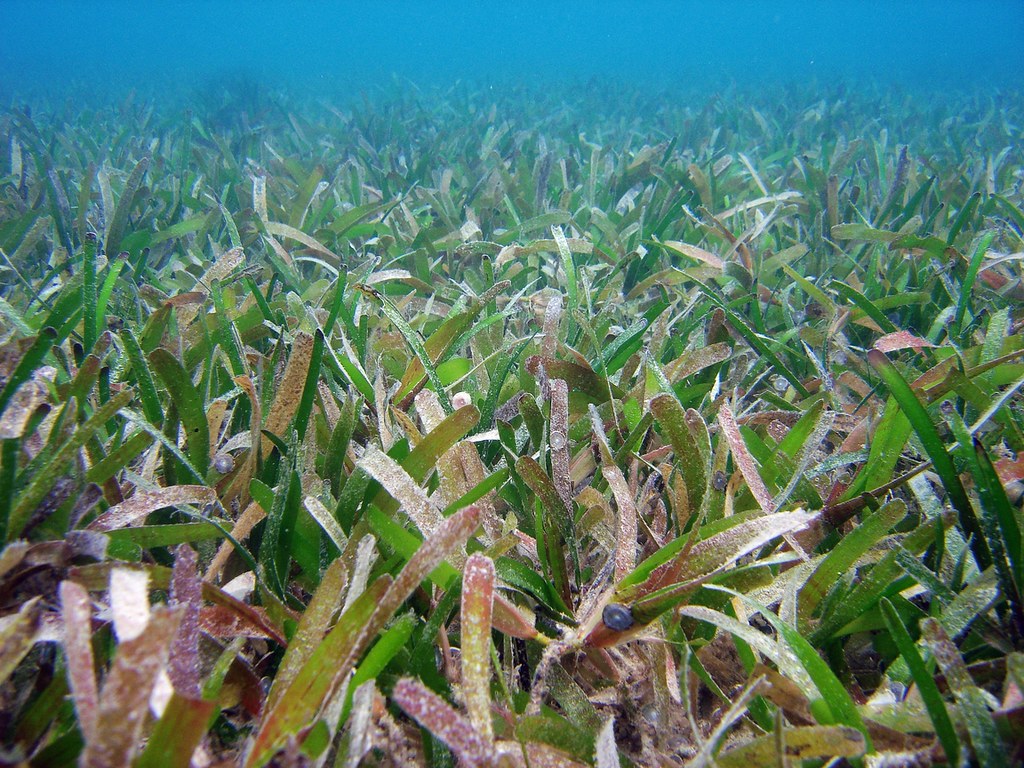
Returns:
(512,427)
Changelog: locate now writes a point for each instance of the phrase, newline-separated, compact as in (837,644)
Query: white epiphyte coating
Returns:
(438,717)
(76,611)
(477,606)
(366,554)
(129,602)
(606,753)
(397,482)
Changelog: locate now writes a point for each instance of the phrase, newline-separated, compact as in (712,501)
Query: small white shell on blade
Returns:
(129,602)
(461,400)
(241,586)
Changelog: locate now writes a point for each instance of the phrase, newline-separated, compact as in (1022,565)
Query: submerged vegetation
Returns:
(503,430)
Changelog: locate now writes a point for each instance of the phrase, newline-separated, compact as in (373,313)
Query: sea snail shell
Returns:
(617,616)
(223,463)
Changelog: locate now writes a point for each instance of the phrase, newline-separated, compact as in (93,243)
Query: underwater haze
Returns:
(348,45)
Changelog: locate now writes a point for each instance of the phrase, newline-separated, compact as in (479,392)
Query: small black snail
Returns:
(617,616)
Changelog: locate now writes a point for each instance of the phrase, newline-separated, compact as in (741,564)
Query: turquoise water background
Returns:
(341,46)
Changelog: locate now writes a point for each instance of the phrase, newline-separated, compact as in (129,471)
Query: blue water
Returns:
(346,46)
